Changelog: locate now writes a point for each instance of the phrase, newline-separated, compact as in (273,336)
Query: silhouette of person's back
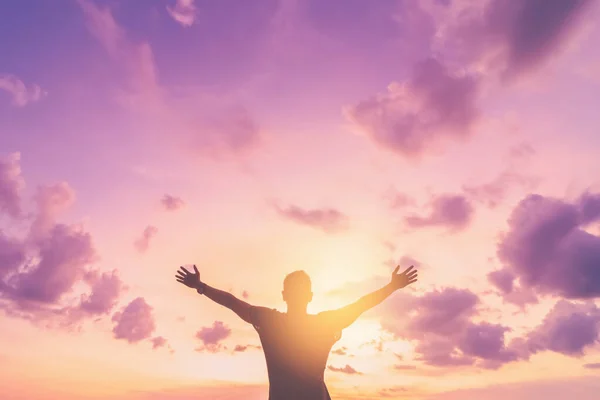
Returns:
(297,344)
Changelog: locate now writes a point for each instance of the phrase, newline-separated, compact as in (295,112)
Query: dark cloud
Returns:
(413,116)
(11,185)
(346,370)
(12,256)
(328,220)
(548,252)
(451,211)
(135,322)
(172,203)
(211,336)
(514,37)
(569,328)
(143,243)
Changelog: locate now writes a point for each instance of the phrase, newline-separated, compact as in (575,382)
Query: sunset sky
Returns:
(341,137)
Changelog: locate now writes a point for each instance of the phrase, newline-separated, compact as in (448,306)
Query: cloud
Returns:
(341,351)
(184,12)
(134,322)
(345,370)
(21,94)
(452,211)
(60,262)
(136,59)
(412,116)
(441,323)
(592,366)
(569,328)
(11,185)
(12,256)
(245,294)
(142,244)
(548,252)
(51,201)
(506,37)
(212,335)
(231,129)
(494,192)
(106,290)
(172,203)
(158,341)
(240,349)
(404,367)
(328,220)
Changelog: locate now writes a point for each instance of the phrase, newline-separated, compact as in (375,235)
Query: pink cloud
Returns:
(451,211)
(51,201)
(184,12)
(414,115)
(494,192)
(11,185)
(347,369)
(172,203)
(142,244)
(592,366)
(158,341)
(135,322)
(328,220)
(12,256)
(211,336)
(20,93)
(106,290)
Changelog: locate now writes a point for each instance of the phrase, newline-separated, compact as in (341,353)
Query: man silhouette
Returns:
(297,344)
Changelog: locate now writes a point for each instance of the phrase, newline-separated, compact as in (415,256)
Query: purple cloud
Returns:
(592,366)
(240,349)
(345,370)
(63,256)
(51,201)
(142,244)
(440,323)
(412,116)
(106,290)
(212,335)
(12,256)
(11,185)
(569,328)
(134,322)
(172,203)
(514,37)
(547,250)
(451,211)
(20,93)
(328,220)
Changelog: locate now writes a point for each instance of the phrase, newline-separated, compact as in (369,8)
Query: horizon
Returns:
(342,138)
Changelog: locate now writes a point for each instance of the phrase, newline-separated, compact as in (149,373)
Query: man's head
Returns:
(297,289)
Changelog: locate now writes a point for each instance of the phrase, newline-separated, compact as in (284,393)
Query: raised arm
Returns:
(345,316)
(192,280)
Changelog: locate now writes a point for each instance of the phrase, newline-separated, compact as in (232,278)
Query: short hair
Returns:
(297,279)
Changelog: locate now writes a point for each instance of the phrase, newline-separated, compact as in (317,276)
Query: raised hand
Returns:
(405,278)
(189,279)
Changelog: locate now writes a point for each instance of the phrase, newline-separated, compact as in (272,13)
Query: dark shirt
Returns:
(296,352)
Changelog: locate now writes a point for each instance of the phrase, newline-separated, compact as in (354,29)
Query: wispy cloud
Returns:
(20,93)
(184,12)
